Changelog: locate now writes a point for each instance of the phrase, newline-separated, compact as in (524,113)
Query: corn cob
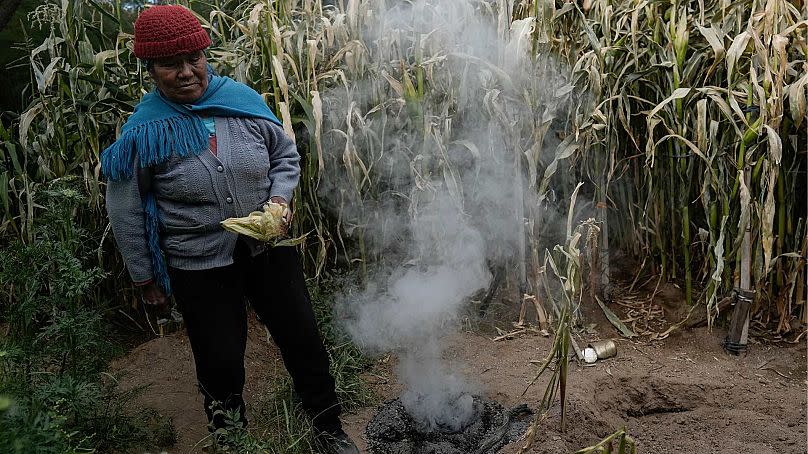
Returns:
(267,225)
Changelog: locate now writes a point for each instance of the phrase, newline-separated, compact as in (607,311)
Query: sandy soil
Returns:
(679,395)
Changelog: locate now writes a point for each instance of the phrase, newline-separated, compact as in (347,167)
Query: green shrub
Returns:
(55,349)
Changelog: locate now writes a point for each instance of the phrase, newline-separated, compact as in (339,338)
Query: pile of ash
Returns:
(394,431)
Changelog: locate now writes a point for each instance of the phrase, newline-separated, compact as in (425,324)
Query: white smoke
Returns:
(445,183)
(409,311)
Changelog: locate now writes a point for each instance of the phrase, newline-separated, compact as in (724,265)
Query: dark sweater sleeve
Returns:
(284,160)
(126,216)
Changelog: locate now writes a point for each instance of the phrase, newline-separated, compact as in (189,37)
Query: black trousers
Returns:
(213,307)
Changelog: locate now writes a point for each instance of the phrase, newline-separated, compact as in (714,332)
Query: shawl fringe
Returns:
(154,142)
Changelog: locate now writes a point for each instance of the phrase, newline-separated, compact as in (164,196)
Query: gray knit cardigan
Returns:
(255,160)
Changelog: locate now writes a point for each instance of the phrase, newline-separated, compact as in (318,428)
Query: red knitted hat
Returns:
(166,30)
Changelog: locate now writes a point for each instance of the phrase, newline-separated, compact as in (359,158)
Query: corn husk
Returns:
(267,225)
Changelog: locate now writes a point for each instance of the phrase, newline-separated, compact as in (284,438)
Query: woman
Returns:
(197,150)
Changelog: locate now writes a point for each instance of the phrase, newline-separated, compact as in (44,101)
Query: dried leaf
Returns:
(317,110)
(736,49)
(712,37)
(775,144)
(767,221)
(286,118)
(798,100)
(25,122)
(679,93)
(615,320)
(571,210)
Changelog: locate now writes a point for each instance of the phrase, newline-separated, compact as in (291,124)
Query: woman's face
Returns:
(181,78)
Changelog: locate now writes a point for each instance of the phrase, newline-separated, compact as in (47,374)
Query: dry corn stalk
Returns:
(726,82)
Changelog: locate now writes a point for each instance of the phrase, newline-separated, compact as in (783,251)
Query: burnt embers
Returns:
(394,431)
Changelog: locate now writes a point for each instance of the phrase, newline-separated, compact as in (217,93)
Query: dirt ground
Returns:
(679,395)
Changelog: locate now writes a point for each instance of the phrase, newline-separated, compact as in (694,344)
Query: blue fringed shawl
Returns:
(159,128)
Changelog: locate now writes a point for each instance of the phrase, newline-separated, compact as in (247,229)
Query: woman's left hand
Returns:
(287,212)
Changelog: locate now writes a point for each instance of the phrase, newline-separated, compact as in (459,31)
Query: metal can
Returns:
(604,349)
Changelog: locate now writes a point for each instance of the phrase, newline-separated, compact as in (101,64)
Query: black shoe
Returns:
(340,443)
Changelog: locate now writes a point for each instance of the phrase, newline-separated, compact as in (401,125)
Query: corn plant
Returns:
(687,99)
(625,445)
(692,131)
(570,286)
(84,80)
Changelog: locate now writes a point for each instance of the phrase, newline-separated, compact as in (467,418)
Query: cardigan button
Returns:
(220,169)
(229,200)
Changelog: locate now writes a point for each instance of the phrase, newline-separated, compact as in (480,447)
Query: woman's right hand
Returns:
(153,297)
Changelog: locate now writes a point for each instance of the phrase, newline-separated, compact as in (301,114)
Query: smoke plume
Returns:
(430,185)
